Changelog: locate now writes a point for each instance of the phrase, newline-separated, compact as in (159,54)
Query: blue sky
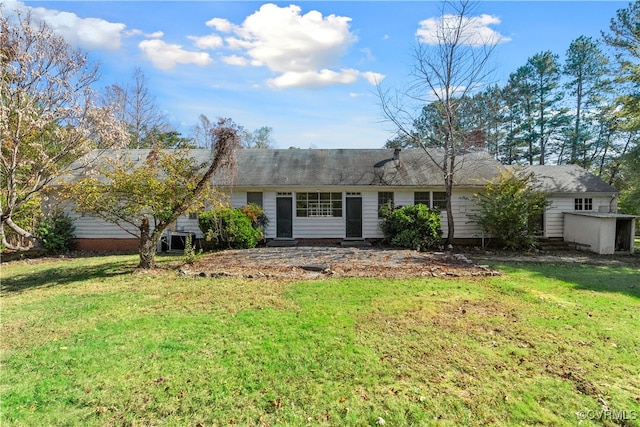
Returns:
(307,69)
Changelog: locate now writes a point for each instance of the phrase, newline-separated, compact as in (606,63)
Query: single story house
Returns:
(336,194)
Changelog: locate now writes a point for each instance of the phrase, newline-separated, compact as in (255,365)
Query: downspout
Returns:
(614,198)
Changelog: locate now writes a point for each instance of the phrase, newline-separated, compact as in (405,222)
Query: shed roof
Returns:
(568,179)
(610,215)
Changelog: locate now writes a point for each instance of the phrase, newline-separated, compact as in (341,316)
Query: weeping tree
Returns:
(451,63)
(47,117)
(145,196)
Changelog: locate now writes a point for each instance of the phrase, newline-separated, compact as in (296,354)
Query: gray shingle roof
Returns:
(568,179)
(357,167)
(368,167)
(341,167)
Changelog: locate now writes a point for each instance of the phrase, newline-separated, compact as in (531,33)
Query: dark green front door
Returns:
(284,217)
(354,217)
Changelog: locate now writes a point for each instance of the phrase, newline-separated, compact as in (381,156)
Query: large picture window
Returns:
(318,204)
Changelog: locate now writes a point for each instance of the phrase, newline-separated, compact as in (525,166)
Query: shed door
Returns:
(284,217)
(624,235)
(354,217)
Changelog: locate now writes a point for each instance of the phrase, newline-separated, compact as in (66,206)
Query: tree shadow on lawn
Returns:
(623,279)
(64,274)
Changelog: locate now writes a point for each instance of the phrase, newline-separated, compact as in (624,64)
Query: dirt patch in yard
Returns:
(308,262)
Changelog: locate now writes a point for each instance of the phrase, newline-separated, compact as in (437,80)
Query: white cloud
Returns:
(87,33)
(476,31)
(284,40)
(321,78)
(314,79)
(235,60)
(155,35)
(373,78)
(368,55)
(301,48)
(166,56)
(220,24)
(135,32)
(212,41)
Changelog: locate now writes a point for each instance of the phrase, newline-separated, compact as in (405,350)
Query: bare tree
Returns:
(47,119)
(137,109)
(449,66)
(260,138)
(202,132)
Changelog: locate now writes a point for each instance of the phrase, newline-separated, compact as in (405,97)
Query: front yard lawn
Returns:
(90,341)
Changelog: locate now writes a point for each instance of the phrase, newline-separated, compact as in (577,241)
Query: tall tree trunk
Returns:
(449,163)
(576,136)
(147,247)
(450,221)
(617,163)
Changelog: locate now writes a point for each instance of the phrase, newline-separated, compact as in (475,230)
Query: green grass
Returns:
(92,342)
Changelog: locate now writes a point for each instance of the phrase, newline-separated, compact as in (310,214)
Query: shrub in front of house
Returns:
(510,209)
(257,216)
(228,228)
(56,233)
(414,227)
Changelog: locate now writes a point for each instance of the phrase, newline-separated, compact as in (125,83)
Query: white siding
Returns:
(239,199)
(186,225)
(403,198)
(370,221)
(318,228)
(463,206)
(269,206)
(334,227)
(558,204)
(90,227)
(309,227)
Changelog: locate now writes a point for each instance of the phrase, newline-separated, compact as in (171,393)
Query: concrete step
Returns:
(282,243)
(359,243)
(554,245)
